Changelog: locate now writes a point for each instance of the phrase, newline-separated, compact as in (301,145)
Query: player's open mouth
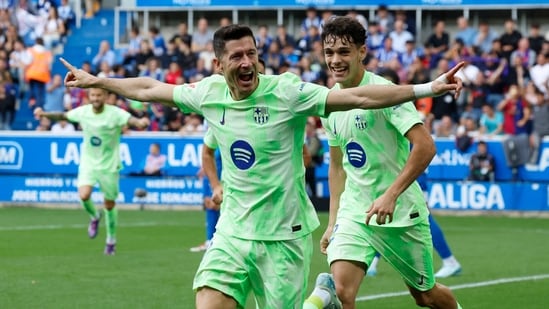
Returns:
(246,77)
(339,70)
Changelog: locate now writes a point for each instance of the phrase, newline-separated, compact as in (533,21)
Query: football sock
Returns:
(90,208)
(318,299)
(373,265)
(111,217)
(439,242)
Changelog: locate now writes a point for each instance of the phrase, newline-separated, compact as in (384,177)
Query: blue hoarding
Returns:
(326,3)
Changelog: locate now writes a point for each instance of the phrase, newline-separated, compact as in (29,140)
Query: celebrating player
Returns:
(259,121)
(100,160)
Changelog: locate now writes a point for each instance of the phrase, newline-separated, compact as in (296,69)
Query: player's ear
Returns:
(218,68)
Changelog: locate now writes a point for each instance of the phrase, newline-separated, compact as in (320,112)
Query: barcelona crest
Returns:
(261,115)
(360,122)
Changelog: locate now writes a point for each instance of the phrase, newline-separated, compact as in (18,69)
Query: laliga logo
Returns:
(11,155)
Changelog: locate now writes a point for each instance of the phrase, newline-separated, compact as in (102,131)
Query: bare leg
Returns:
(348,276)
(208,298)
(439,296)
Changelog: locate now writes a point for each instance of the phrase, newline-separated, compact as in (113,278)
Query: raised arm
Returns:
(380,96)
(142,89)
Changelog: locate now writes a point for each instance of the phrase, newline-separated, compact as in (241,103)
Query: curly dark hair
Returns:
(348,29)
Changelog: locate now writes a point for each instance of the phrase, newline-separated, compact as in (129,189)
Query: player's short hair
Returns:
(346,28)
(229,33)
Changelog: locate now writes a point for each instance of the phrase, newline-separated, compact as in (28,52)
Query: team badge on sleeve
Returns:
(261,114)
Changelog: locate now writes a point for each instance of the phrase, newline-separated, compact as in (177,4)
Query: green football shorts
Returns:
(108,182)
(409,249)
(276,272)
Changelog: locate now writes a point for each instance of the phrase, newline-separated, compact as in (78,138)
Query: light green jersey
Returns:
(374,153)
(100,149)
(261,144)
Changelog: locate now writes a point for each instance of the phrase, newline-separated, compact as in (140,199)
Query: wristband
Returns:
(423,90)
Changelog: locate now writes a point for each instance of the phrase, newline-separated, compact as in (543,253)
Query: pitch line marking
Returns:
(460,286)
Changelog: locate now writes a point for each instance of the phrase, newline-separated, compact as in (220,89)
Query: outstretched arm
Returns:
(381,96)
(142,89)
(39,113)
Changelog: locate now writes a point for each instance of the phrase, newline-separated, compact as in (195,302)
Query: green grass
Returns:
(47,261)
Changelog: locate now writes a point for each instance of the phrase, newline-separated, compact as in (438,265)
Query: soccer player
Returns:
(375,203)
(213,191)
(265,228)
(102,126)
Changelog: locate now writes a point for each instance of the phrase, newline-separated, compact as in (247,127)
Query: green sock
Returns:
(89,207)
(313,302)
(111,219)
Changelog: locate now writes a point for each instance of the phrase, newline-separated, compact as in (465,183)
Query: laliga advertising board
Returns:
(41,168)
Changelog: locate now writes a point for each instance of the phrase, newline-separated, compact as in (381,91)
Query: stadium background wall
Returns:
(41,169)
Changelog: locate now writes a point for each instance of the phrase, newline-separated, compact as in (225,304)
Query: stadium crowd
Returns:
(506,77)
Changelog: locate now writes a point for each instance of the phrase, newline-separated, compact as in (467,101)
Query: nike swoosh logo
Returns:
(335,130)
(421,279)
(222,121)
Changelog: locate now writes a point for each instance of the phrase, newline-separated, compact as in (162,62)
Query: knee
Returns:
(345,294)
(84,196)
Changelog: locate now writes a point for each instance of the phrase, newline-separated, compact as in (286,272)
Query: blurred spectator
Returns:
(307,74)
(172,54)
(273,59)
(105,70)
(444,128)
(385,19)
(539,73)
(540,111)
(198,73)
(482,164)
(62,126)
(400,36)
(305,43)
(463,139)
(145,53)
(324,18)
(28,24)
(465,33)
(316,150)
(311,20)
(193,124)
(516,112)
(224,21)
(484,37)
(526,55)
(38,72)
(134,45)
(437,43)
(54,29)
(201,36)
(55,92)
(283,38)
(263,40)
(356,15)
(44,124)
(535,38)
(188,58)
(509,39)
(387,53)
(491,121)
(174,73)
(152,69)
(7,103)
(375,38)
(182,35)
(157,40)
(92,7)
(409,56)
(208,56)
(67,14)
(493,71)
(105,54)
(6,20)
(19,58)
(154,164)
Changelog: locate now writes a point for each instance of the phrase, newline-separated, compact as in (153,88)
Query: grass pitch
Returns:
(47,261)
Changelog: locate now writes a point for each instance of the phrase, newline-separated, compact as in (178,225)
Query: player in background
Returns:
(259,121)
(213,191)
(375,203)
(102,126)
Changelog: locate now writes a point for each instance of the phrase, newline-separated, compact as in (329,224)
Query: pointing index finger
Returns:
(69,66)
(454,70)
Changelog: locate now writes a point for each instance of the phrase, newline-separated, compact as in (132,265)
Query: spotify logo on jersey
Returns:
(242,154)
(356,155)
